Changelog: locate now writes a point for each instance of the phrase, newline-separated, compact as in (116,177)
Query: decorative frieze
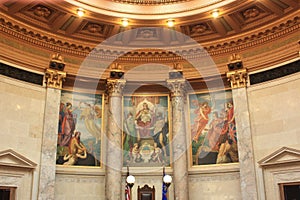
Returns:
(54,78)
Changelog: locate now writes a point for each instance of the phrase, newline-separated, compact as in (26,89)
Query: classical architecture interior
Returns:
(150,99)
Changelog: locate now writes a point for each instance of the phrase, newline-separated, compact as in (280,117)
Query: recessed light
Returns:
(80,12)
(125,22)
(170,22)
(215,13)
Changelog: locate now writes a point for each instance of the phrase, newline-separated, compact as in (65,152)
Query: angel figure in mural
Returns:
(201,119)
(136,154)
(130,137)
(91,114)
(144,120)
(68,125)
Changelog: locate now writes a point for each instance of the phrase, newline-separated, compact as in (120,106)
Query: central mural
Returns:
(146,131)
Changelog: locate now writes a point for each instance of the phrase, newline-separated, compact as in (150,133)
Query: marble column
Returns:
(179,145)
(238,81)
(113,178)
(54,81)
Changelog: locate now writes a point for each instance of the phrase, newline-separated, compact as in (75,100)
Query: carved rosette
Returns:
(54,78)
(114,87)
(238,78)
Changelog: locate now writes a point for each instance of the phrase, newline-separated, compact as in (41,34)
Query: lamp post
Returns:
(167,180)
(129,184)
(130,181)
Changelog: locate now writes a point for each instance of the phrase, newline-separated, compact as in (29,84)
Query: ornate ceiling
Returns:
(55,26)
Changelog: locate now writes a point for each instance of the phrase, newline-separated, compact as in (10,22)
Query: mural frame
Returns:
(192,147)
(102,126)
(167,125)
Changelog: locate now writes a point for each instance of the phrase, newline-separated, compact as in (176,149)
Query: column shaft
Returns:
(113,178)
(179,145)
(245,149)
(49,143)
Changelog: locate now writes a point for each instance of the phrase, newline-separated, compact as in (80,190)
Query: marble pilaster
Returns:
(179,145)
(113,178)
(245,148)
(49,143)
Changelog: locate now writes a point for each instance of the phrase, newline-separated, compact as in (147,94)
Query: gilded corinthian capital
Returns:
(238,78)
(54,78)
(177,87)
(114,87)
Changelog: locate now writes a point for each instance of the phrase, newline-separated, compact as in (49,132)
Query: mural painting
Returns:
(213,130)
(79,129)
(146,131)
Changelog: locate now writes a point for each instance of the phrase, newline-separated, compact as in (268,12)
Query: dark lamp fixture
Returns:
(57,65)
(235,65)
(116,74)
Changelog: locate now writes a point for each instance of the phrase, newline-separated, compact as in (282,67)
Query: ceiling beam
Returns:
(74,26)
(273,7)
(219,27)
(232,23)
(59,21)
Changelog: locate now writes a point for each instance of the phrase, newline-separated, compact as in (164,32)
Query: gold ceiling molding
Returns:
(149,2)
(50,43)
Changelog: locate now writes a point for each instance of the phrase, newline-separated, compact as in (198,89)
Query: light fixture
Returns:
(125,22)
(170,22)
(80,12)
(167,180)
(215,13)
(130,180)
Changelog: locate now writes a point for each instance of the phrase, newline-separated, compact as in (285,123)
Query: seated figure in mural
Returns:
(223,156)
(201,120)
(76,150)
(136,155)
(144,121)
(156,155)
(233,151)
